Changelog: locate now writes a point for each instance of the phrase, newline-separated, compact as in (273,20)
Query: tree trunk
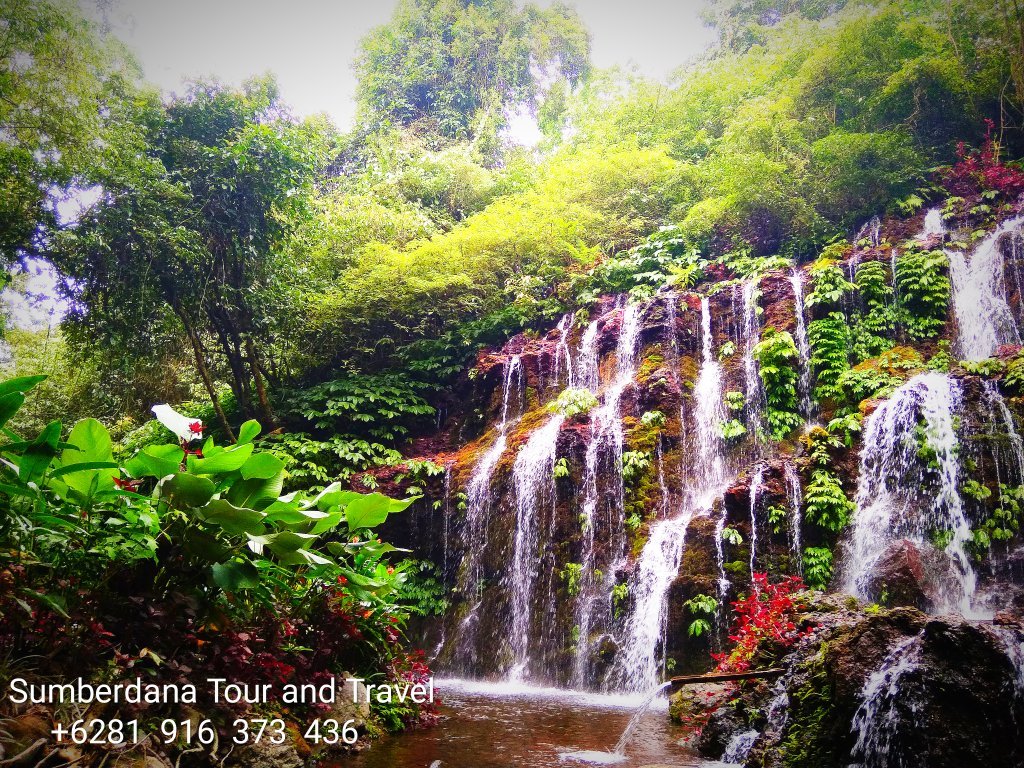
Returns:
(204,373)
(261,390)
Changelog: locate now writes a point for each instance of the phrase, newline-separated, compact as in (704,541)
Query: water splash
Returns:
(634,721)
(534,483)
(803,345)
(910,442)
(478,508)
(885,705)
(979,296)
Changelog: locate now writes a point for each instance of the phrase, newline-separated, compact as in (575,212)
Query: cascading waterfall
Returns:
(796,517)
(752,379)
(877,722)
(933,224)
(638,664)
(709,410)
(478,507)
(587,367)
(1009,469)
(534,483)
(892,472)
(803,345)
(871,231)
(605,444)
(562,351)
(979,296)
(756,487)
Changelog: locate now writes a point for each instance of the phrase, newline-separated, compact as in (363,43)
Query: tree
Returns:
(55,70)
(452,67)
(194,229)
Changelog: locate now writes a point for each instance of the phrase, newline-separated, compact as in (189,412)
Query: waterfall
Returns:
(872,232)
(979,296)
(739,747)
(1011,471)
(562,351)
(933,224)
(478,508)
(756,487)
(796,516)
(901,456)
(878,720)
(709,409)
(587,373)
(534,483)
(605,443)
(752,379)
(803,345)
(638,664)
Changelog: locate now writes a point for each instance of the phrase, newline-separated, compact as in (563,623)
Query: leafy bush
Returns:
(573,402)
(818,567)
(923,291)
(701,607)
(777,358)
(763,623)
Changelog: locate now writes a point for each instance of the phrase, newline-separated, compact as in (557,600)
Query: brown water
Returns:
(506,726)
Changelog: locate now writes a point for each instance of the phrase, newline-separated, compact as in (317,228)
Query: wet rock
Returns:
(899,575)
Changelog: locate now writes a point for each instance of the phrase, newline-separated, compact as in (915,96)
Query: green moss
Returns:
(649,366)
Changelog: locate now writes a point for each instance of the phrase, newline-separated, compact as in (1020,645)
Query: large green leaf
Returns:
(284,541)
(21,384)
(91,445)
(367,511)
(156,461)
(235,575)
(234,520)
(185,491)
(248,431)
(291,514)
(9,405)
(32,464)
(228,460)
(256,493)
(262,465)
(333,496)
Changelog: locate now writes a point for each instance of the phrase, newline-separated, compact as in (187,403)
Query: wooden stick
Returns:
(723,677)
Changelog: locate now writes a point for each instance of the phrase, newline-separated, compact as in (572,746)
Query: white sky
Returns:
(310,44)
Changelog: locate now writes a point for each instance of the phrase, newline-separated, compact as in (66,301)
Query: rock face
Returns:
(889,689)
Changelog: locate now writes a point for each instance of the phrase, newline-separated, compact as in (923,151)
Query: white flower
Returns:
(185,428)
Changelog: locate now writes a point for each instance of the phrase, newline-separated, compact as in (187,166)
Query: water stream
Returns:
(639,661)
(604,460)
(478,507)
(534,483)
(910,444)
(500,725)
(803,345)
(983,315)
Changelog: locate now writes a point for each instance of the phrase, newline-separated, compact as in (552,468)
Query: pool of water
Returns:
(499,725)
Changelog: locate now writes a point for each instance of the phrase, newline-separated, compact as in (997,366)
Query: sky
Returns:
(310,45)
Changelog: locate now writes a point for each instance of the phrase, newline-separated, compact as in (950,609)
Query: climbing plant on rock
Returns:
(777,358)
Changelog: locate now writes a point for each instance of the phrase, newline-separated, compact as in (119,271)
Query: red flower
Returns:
(196,427)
